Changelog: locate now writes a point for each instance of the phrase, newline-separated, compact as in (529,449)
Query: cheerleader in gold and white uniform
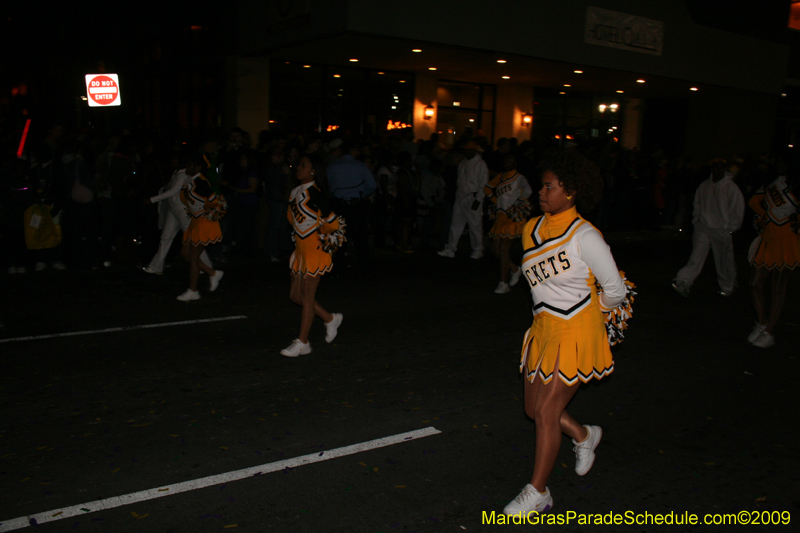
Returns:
(509,192)
(205,208)
(311,217)
(773,256)
(564,255)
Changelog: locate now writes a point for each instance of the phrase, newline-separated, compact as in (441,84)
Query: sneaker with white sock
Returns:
(214,280)
(756,333)
(515,277)
(447,252)
(529,500)
(38,267)
(584,451)
(502,288)
(189,295)
(332,327)
(765,340)
(297,348)
(476,254)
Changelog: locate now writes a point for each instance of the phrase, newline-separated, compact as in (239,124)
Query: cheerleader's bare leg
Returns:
(780,282)
(506,265)
(759,278)
(192,256)
(546,404)
(307,290)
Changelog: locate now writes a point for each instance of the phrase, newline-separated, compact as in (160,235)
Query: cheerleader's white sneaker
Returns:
(515,277)
(756,333)
(529,500)
(765,340)
(214,280)
(502,288)
(584,451)
(297,348)
(189,295)
(332,327)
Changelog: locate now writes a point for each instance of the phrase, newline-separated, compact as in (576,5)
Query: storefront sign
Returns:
(620,30)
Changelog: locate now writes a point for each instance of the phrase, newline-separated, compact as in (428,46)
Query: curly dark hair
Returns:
(578,176)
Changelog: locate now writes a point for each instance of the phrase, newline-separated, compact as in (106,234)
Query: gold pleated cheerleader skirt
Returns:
(779,248)
(580,345)
(202,231)
(308,258)
(506,228)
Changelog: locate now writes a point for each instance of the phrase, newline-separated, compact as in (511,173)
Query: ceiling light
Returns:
(354,60)
(431,68)
(696,89)
(620,92)
(578,71)
(506,77)
(456,104)
(402,81)
(562,92)
(639,81)
(502,61)
(337,75)
(306,66)
(381,73)
(416,50)
(567,85)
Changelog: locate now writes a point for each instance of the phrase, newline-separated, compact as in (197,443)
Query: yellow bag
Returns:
(40,229)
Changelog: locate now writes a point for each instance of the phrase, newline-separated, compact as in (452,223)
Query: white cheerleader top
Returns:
(562,270)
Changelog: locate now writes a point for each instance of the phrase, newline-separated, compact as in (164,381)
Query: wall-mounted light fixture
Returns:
(527,120)
(429,110)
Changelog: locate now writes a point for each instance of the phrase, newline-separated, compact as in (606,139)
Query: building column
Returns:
(513,101)
(248,94)
(631,123)
(425,95)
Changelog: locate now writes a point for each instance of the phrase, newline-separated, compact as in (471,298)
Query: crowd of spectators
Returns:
(409,209)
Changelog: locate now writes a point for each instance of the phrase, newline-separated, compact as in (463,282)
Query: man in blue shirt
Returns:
(351,183)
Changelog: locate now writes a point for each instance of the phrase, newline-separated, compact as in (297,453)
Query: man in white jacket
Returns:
(473,175)
(172,218)
(718,212)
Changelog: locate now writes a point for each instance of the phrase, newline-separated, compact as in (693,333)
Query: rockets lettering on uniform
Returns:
(298,215)
(504,189)
(776,196)
(534,272)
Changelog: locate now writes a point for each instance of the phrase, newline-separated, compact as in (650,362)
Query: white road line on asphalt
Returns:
(124,328)
(168,490)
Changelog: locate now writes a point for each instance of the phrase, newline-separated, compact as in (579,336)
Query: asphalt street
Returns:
(695,419)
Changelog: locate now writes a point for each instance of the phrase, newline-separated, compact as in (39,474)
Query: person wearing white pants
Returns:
(172,218)
(718,212)
(473,175)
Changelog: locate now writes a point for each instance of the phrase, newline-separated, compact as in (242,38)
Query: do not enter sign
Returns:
(102,90)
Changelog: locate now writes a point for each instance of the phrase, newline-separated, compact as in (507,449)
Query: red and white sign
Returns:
(102,90)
